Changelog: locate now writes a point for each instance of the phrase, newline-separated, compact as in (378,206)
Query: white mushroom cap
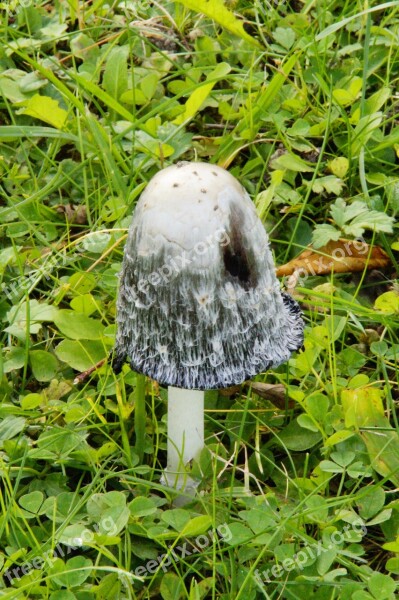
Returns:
(199,304)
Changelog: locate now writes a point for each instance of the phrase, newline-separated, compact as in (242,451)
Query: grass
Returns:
(299,490)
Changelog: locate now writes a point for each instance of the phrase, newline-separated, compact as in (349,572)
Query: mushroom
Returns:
(199,304)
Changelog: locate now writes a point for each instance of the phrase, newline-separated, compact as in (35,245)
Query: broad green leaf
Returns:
(329,183)
(82,282)
(364,130)
(239,534)
(176,518)
(99,93)
(36,312)
(307,422)
(371,502)
(31,401)
(341,212)
(218,11)
(392,565)
(363,407)
(97,241)
(317,509)
(10,89)
(112,210)
(197,526)
(198,96)
(361,595)
(142,507)
(292,162)
(46,109)
(323,234)
(10,427)
(63,595)
(338,437)
(377,100)
(109,511)
(343,97)
(76,535)
(343,457)
(294,437)
(73,573)
(339,166)
(326,559)
(83,47)
(364,410)
(381,586)
(43,364)
(85,304)
(384,515)
(31,82)
(317,405)
(259,519)
(80,355)
(202,589)
(77,326)
(392,546)
(32,502)
(350,93)
(393,351)
(53,31)
(57,443)
(153,146)
(383,449)
(285,36)
(134,96)
(373,103)
(328,466)
(356,217)
(149,84)
(8,256)
(300,128)
(379,348)
(373,219)
(14,359)
(172,587)
(388,303)
(335,326)
(359,469)
(115,78)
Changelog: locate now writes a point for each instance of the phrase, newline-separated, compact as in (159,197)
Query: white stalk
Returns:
(185,435)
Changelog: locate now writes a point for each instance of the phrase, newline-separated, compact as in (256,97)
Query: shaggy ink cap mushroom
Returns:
(199,305)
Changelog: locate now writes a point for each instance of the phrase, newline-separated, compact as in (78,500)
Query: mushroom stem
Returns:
(185,435)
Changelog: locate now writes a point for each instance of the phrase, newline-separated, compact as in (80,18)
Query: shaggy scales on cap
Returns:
(199,305)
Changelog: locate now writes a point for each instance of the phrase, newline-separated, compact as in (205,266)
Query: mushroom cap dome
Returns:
(199,304)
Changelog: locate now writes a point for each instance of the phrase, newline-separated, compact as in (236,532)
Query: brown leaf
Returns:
(73,213)
(342,256)
(275,393)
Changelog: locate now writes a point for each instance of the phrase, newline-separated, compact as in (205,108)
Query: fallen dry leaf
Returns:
(275,393)
(342,256)
(73,213)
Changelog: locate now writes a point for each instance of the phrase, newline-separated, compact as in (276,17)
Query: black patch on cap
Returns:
(238,261)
